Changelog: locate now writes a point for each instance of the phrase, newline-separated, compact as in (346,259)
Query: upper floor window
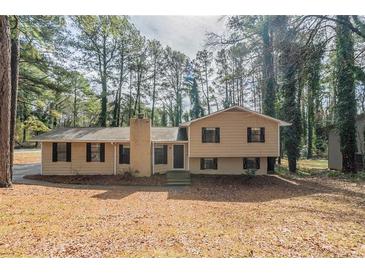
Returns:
(124,154)
(208,163)
(211,135)
(160,154)
(256,135)
(61,152)
(95,152)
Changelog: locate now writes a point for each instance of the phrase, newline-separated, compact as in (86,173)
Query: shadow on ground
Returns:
(220,189)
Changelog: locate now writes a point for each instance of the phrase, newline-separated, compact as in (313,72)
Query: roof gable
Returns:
(239,109)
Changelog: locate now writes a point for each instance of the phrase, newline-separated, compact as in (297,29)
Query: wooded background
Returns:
(83,71)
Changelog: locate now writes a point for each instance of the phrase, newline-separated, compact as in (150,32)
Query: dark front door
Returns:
(178,156)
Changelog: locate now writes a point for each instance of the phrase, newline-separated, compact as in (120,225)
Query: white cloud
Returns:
(183,33)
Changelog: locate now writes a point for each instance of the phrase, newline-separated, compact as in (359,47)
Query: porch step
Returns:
(177,177)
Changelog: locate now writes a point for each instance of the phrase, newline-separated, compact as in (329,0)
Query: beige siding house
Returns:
(230,141)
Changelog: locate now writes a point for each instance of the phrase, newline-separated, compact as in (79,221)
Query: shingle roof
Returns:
(110,134)
(238,108)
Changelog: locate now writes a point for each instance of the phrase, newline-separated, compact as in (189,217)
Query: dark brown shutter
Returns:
(88,152)
(257,163)
(262,135)
(102,152)
(244,163)
(120,154)
(217,135)
(127,155)
(68,152)
(215,163)
(204,138)
(202,163)
(54,152)
(165,154)
(249,135)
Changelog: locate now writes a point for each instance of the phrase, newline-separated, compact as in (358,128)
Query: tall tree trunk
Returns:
(75,107)
(14,90)
(153,94)
(346,102)
(104,92)
(268,69)
(5,102)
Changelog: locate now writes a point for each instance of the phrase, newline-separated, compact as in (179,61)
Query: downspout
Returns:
(115,159)
(41,158)
(153,158)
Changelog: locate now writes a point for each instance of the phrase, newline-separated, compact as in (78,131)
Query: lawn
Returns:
(27,156)
(259,217)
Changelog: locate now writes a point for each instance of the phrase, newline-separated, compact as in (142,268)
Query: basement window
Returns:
(251,163)
(208,163)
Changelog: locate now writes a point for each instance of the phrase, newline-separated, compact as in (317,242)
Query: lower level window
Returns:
(251,163)
(95,152)
(208,163)
(160,154)
(124,154)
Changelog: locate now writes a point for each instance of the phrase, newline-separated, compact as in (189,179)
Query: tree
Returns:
(313,75)
(97,40)
(289,58)
(346,102)
(5,102)
(196,109)
(14,87)
(269,96)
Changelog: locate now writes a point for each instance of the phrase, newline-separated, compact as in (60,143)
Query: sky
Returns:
(183,33)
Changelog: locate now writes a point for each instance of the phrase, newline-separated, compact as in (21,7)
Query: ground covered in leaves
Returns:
(265,216)
(27,156)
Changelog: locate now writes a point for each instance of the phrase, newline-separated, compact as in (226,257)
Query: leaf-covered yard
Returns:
(260,217)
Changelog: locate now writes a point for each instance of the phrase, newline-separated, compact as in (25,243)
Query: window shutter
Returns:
(202,163)
(68,152)
(204,139)
(215,161)
(249,135)
(54,152)
(120,154)
(102,152)
(165,154)
(262,135)
(88,152)
(217,135)
(257,163)
(244,163)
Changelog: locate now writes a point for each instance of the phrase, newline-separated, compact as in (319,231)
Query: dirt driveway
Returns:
(261,217)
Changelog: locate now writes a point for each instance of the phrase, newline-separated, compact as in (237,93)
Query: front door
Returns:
(178,156)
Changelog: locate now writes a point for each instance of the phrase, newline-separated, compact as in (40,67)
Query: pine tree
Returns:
(346,102)
(196,109)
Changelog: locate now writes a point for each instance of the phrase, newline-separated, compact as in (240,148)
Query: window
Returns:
(160,154)
(256,135)
(210,135)
(61,152)
(95,152)
(124,154)
(251,163)
(208,163)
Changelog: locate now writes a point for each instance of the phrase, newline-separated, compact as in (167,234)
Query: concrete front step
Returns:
(178,183)
(178,177)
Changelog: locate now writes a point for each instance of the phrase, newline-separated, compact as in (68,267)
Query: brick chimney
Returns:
(140,146)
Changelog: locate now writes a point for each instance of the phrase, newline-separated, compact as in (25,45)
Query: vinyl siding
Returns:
(78,164)
(227,166)
(233,136)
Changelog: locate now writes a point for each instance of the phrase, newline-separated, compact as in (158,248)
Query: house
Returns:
(229,141)
(334,148)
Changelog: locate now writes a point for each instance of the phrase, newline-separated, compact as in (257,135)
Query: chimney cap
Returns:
(140,115)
